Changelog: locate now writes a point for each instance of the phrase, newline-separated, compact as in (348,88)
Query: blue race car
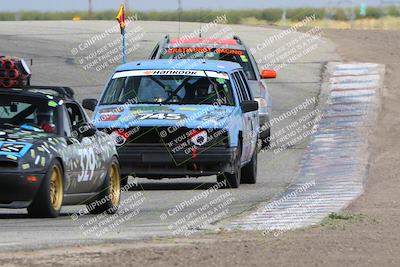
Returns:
(197,120)
(233,50)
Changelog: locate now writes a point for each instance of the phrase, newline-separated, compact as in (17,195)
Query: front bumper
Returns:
(157,161)
(16,191)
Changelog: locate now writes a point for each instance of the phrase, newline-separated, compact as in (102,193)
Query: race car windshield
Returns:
(168,89)
(28,113)
(233,55)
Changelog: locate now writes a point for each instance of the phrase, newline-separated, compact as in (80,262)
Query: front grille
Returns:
(171,136)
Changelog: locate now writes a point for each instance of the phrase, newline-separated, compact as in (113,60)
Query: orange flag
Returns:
(121,18)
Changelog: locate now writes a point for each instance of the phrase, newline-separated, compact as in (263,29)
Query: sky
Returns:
(68,5)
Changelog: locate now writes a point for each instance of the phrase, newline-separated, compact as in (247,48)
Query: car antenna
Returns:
(201,29)
(179,15)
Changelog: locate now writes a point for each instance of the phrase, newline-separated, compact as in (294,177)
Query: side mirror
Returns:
(89,104)
(268,74)
(249,106)
(86,130)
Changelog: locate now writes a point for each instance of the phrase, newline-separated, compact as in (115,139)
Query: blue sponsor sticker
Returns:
(14,149)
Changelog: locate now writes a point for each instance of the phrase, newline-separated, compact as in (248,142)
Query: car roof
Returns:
(203,40)
(58,92)
(206,42)
(193,64)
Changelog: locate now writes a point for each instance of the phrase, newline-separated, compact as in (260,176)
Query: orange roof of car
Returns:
(183,40)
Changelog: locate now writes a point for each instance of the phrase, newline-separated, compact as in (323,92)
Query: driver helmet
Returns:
(45,120)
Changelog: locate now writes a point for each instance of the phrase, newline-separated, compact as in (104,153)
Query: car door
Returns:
(246,118)
(252,116)
(70,155)
(85,157)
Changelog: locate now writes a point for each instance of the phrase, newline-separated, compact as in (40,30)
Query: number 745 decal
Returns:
(160,116)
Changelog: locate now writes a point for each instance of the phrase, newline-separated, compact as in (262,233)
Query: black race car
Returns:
(51,155)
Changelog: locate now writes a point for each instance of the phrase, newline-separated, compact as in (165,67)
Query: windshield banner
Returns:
(199,73)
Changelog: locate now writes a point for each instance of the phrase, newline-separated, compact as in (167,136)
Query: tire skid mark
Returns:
(336,160)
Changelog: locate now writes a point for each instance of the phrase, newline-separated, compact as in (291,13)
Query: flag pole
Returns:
(123,47)
(121,21)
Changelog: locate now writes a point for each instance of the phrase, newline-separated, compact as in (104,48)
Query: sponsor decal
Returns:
(87,163)
(210,119)
(185,50)
(120,137)
(229,51)
(111,110)
(52,104)
(175,72)
(160,116)
(28,127)
(216,116)
(244,58)
(221,81)
(188,109)
(137,110)
(109,117)
(199,138)
(12,157)
(14,149)
(198,73)
(220,75)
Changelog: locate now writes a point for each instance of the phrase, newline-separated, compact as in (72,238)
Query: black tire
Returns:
(109,197)
(124,180)
(48,200)
(233,179)
(265,138)
(249,171)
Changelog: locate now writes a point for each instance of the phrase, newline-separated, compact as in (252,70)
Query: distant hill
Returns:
(65,5)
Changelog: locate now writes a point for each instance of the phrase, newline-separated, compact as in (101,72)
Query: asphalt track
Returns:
(50,45)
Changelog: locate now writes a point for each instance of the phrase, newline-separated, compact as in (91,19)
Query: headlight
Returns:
(261,102)
(119,137)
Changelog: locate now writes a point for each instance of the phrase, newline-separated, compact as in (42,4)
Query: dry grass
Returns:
(386,23)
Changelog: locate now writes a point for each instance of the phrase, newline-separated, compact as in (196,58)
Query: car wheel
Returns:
(249,171)
(265,138)
(233,179)
(48,200)
(108,199)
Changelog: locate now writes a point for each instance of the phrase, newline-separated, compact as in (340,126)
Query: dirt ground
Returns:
(369,237)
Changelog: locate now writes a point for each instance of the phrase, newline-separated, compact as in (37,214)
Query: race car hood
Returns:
(150,115)
(15,143)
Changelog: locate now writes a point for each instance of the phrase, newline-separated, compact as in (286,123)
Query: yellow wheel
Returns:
(56,188)
(115,184)
(49,198)
(111,192)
